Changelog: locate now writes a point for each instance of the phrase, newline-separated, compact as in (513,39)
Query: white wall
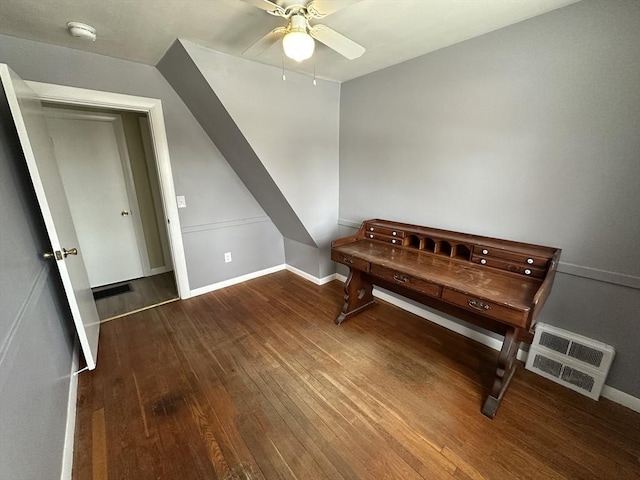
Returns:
(528,133)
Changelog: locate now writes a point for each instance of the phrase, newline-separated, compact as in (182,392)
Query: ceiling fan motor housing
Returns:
(298,23)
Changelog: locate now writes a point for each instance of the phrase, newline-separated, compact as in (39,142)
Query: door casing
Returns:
(64,95)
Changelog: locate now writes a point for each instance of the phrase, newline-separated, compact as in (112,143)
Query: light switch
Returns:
(182,203)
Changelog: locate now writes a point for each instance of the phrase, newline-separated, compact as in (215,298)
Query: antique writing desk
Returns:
(497,284)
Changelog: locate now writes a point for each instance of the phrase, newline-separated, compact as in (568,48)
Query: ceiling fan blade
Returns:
(265,42)
(336,41)
(267,6)
(322,8)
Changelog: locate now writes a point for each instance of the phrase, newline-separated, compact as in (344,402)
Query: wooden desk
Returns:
(497,284)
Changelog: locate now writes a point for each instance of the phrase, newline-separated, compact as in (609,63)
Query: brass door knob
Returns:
(71,251)
(124,213)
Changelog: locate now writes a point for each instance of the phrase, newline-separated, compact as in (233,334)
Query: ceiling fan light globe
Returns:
(298,45)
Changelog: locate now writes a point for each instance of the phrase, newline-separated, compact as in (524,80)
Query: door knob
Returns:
(58,254)
(124,213)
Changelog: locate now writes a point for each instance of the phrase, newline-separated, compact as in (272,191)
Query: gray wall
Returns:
(281,138)
(187,80)
(218,203)
(36,337)
(528,133)
(292,125)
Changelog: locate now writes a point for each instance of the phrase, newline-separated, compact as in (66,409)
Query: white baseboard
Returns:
(236,280)
(159,270)
(260,273)
(620,397)
(608,392)
(70,430)
(311,278)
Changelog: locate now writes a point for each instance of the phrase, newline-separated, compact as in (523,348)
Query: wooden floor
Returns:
(256,381)
(145,292)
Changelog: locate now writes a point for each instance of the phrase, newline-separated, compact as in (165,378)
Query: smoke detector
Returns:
(82,31)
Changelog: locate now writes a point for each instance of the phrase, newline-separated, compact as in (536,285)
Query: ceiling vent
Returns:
(577,362)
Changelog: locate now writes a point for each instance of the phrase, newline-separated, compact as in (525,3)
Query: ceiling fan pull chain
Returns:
(314,72)
(283,75)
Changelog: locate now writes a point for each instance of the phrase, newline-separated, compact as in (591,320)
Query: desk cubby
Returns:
(514,257)
(447,247)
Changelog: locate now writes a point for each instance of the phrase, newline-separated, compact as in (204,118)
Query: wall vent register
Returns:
(576,362)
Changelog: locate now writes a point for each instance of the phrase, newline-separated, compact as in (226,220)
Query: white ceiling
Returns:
(392,31)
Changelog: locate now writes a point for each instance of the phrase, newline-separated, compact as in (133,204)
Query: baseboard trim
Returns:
(159,270)
(608,392)
(236,280)
(620,397)
(70,430)
(311,278)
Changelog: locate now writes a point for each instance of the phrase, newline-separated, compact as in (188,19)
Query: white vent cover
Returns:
(577,362)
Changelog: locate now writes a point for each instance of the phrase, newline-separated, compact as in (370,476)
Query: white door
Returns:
(91,154)
(28,117)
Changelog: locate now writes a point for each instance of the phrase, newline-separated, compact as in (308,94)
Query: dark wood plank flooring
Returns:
(256,381)
(146,292)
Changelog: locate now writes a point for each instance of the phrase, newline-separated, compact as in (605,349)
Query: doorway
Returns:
(25,99)
(107,166)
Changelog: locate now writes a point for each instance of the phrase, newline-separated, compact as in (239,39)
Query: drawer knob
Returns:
(527,272)
(483,261)
(530,261)
(478,305)
(485,251)
(371,229)
(371,236)
(394,233)
(400,278)
(347,260)
(393,241)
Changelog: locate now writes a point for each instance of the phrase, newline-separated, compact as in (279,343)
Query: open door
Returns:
(37,147)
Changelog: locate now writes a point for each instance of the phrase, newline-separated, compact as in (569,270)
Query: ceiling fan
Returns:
(298,36)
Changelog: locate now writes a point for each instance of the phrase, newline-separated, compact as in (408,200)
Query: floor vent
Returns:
(577,362)
(105,292)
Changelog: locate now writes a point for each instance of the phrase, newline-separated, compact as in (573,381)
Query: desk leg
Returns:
(506,368)
(358,295)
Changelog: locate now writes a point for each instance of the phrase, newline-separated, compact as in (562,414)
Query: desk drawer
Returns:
(385,238)
(486,308)
(373,228)
(509,266)
(406,281)
(524,259)
(350,261)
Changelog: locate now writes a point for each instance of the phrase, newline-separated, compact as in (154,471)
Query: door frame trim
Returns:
(65,95)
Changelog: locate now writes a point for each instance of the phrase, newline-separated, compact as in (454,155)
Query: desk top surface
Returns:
(495,285)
